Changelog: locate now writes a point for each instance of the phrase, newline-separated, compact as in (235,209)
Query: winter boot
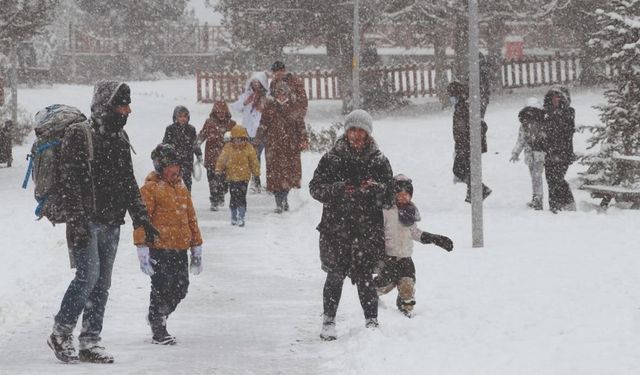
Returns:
(62,346)
(328,332)
(95,354)
(241,212)
(536,203)
(234,216)
(285,204)
(160,334)
(214,206)
(406,296)
(371,323)
(485,193)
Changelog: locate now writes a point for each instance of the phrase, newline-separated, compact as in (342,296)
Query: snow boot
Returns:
(160,334)
(371,323)
(328,332)
(234,216)
(406,296)
(536,203)
(95,354)
(214,206)
(62,346)
(241,212)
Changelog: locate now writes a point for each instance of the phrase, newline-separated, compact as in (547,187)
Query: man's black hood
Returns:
(106,96)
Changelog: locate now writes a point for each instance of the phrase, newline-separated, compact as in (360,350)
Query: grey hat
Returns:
(359,119)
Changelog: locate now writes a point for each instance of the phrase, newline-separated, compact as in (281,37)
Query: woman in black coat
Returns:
(353,182)
(559,126)
(462,137)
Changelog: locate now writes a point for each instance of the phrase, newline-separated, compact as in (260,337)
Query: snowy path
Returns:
(549,294)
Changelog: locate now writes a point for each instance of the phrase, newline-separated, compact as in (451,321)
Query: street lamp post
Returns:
(474,124)
(356,55)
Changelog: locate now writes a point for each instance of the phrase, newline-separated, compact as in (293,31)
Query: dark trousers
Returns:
(169,283)
(238,192)
(217,187)
(394,270)
(559,191)
(333,292)
(186,175)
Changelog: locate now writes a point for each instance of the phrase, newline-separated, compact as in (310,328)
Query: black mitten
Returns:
(438,240)
(408,214)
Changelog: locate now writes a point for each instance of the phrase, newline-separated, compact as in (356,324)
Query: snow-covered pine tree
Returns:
(616,43)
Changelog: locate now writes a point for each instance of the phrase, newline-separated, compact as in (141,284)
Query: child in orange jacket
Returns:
(171,211)
(238,161)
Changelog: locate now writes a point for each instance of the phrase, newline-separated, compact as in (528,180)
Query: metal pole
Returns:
(474,125)
(356,55)
(13,78)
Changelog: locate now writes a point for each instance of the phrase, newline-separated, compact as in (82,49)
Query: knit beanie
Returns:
(359,119)
(403,183)
(164,155)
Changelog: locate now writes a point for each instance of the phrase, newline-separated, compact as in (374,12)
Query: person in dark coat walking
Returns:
(182,136)
(98,189)
(6,143)
(559,125)
(218,123)
(354,182)
(459,94)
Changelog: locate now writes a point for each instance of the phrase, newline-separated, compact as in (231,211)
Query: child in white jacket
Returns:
(400,230)
(532,139)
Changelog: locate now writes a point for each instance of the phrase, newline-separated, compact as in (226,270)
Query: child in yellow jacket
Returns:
(171,211)
(238,161)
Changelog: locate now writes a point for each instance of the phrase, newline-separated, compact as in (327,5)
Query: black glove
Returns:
(438,240)
(151,234)
(78,233)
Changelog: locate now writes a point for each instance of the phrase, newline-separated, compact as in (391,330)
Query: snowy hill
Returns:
(548,294)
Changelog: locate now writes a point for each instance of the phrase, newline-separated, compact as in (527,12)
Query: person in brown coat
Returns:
(212,132)
(285,137)
(298,94)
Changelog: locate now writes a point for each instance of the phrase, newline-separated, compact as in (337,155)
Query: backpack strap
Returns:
(42,148)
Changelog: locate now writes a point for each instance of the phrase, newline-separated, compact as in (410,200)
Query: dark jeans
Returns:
(186,175)
(333,292)
(238,192)
(217,187)
(169,283)
(88,292)
(559,191)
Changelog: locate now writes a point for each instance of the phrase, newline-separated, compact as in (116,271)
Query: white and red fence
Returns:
(410,80)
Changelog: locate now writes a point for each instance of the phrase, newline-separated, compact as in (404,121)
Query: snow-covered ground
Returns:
(548,294)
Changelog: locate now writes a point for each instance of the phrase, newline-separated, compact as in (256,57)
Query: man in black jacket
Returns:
(353,182)
(98,188)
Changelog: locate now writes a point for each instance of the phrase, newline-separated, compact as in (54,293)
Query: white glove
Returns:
(145,260)
(196,260)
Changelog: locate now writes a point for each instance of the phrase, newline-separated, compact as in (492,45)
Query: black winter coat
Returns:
(532,120)
(104,189)
(183,139)
(352,225)
(559,125)
(462,139)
